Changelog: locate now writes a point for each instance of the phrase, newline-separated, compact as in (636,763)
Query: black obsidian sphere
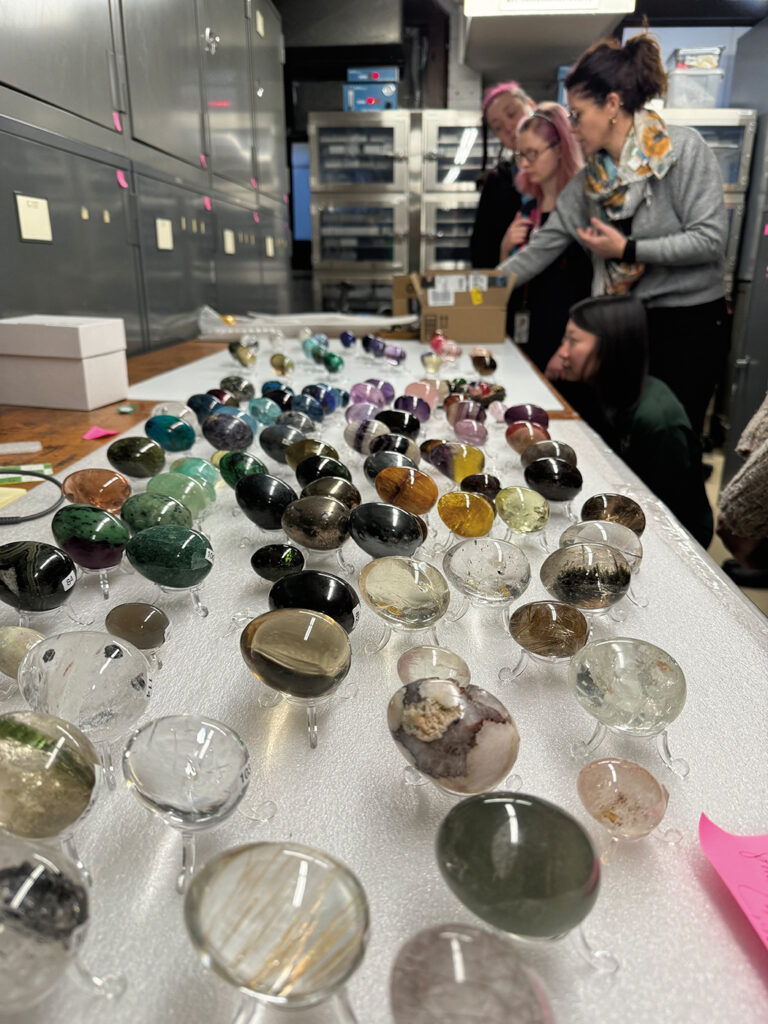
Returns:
(320,592)
(316,466)
(381,530)
(264,498)
(374,464)
(282,397)
(275,561)
(400,422)
(34,576)
(276,439)
(554,479)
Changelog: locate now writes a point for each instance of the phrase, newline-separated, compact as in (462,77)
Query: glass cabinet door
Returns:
(360,152)
(340,295)
(457,159)
(445,233)
(364,236)
(730,134)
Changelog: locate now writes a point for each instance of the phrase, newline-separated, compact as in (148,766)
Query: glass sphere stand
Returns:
(315,558)
(525,658)
(413,777)
(584,749)
(425,635)
(613,845)
(108,986)
(194,596)
(29,619)
(103,577)
(336,1009)
(537,538)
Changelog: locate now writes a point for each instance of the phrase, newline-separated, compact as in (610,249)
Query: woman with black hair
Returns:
(605,352)
(649,208)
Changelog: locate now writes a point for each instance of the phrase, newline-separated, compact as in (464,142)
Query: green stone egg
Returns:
(172,556)
(136,456)
(141,511)
(183,488)
(235,465)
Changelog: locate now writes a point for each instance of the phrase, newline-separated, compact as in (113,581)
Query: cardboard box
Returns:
(469,306)
(62,362)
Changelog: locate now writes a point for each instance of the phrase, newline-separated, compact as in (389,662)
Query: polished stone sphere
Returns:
(320,592)
(556,479)
(34,576)
(263,499)
(381,530)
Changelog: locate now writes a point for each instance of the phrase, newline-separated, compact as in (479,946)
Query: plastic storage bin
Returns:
(693,88)
(697,57)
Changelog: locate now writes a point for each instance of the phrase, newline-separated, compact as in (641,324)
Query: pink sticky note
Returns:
(742,863)
(116,121)
(203,162)
(254,183)
(256,216)
(765,230)
(121,179)
(96,432)
(207,203)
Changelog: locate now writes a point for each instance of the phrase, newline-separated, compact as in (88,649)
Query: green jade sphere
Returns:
(519,862)
(171,556)
(235,465)
(189,492)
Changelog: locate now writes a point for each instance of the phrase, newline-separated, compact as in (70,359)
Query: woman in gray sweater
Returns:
(649,207)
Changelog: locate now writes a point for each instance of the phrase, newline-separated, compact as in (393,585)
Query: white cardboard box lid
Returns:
(61,337)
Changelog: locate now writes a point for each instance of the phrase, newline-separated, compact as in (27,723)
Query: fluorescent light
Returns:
(452,174)
(502,8)
(465,145)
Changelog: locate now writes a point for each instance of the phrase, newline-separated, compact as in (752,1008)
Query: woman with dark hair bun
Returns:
(604,353)
(649,208)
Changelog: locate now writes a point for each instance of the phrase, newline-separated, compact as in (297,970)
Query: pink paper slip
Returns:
(96,432)
(742,863)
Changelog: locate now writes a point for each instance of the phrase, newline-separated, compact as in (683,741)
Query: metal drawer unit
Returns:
(730,134)
(341,293)
(274,249)
(452,146)
(446,228)
(368,233)
(359,152)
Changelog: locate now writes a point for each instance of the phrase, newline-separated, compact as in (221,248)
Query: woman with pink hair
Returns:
(547,156)
(504,106)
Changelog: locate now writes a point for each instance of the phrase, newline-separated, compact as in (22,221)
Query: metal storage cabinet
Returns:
(729,133)
(179,280)
(337,292)
(238,258)
(162,53)
(353,153)
(66,59)
(273,237)
(446,227)
(91,266)
(366,233)
(227,90)
(268,57)
(452,145)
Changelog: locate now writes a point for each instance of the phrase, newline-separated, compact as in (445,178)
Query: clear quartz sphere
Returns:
(487,570)
(605,532)
(405,592)
(425,662)
(97,682)
(288,923)
(622,796)
(628,685)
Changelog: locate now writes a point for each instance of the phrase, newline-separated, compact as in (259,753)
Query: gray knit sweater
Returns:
(680,228)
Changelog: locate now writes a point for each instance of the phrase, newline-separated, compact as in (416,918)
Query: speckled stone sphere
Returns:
(233,466)
(319,523)
(240,387)
(171,556)
(227,432)
(149,509)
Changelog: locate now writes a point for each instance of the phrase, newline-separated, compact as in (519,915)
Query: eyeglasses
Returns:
(531,155)
(574,116)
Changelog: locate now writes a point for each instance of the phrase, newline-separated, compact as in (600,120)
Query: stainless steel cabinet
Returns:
(729,133)
(367,233)
(61,53)
(273,241)
(162,52)
(446,227)
(238,258)
(270,157)
(227,84)
(350,294)
(359,152)
(177,257)
(452,144)
(90,267)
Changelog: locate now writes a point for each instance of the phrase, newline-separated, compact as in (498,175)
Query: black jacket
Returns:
(499,202)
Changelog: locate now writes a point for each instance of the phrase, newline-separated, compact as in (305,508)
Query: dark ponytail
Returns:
(633,70)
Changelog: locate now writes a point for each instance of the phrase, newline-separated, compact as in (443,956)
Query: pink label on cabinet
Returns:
(207,203)
(742,863)
(254,183)
(285,197)
(203,162)
(121,179)
(765,230)
(116,121)
(256,216)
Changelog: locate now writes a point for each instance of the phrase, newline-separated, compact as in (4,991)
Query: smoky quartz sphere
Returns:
(297,651)
(589,576)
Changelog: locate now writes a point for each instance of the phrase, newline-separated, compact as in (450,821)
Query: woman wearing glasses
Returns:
(649,208)
(548,157)
(504,107)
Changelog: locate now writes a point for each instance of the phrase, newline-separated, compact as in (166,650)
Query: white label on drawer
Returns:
(479,281)
(269,246)
(69,581)
(164,233)
(259,23)
(438,297)
(34,219)
(229,242)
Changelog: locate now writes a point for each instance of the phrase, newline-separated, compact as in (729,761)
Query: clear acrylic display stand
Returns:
(584,749)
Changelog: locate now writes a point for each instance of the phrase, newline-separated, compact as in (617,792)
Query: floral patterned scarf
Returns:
(619,190)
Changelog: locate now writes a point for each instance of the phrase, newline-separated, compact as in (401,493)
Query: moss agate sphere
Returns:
(519,862)
(297,651)
(149,509)
(171,556)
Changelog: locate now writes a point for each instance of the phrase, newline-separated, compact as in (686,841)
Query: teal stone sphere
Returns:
(183,488)
(519,862)
(170,432)
(235,465)
(201,471)
(141,511)
(264,410)
(172,556)
(136,456)
(92,537)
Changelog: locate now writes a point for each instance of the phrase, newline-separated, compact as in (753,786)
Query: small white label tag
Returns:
(209,555)
(245,774)
(229,241)
(522,327)
(356,615)
(69,581)
(440,298)
(478,281)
